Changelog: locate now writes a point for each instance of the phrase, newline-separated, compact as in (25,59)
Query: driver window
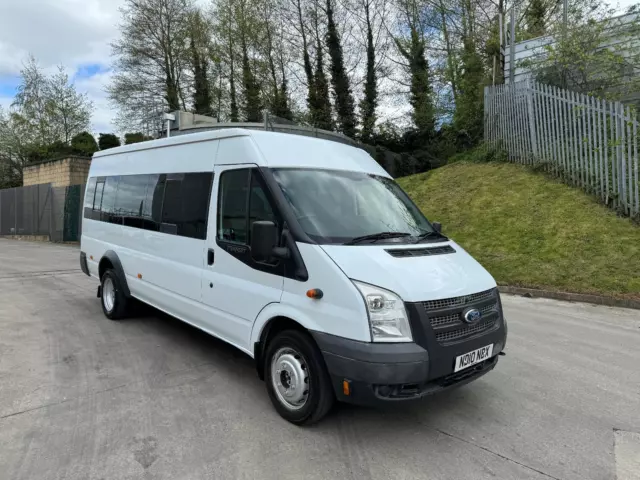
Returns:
(241,201)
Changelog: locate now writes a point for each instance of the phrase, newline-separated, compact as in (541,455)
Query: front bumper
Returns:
(380,373)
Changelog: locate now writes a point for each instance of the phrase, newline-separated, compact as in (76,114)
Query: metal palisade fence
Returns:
(588,142)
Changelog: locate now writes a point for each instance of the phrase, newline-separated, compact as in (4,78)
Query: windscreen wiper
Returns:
(377,236)
(426,235)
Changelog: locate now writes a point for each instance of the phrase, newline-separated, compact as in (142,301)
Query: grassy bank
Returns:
(531,231)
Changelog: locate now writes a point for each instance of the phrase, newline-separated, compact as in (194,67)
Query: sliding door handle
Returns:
(210,257)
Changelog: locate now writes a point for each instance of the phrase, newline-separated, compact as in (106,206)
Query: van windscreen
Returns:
(334,206)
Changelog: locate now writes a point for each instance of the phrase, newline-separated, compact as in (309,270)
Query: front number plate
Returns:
(472,358)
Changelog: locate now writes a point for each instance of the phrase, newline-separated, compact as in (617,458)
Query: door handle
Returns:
(210,257)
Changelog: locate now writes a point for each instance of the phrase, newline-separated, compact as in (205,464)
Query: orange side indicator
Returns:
(140,276)
(315,293)
(346,387)
(91,257)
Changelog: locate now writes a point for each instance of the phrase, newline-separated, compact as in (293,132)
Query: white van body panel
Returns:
(233,301)
(414,279)
(340,312)
(285,150)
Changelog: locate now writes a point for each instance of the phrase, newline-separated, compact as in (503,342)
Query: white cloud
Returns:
(71,33)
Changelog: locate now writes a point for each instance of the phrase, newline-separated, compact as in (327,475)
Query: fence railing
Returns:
(42,210)
(588,142)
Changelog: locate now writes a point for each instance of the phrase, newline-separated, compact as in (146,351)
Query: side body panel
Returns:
(340,312)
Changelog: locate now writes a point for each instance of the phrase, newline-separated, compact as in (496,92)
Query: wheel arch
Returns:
(111,260)
(272,320)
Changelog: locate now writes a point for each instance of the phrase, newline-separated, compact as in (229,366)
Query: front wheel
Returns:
(297,379)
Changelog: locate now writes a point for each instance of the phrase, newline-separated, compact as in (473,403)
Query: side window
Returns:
(97,199)
(232,205)
(89,193)
(196,196)
(259,207)
(172,204)
(152,206)
(186,204)
(109,200)
(130,199)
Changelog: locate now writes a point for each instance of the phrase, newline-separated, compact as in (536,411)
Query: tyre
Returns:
(114,302)
(297,379)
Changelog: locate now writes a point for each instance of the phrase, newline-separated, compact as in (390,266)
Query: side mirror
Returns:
(264,238)
(437,226)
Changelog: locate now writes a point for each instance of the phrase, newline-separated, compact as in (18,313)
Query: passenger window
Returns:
(152,207)
(97,200)
(186,204)
(89,193)
(130,199)
(109,200)
(232,205)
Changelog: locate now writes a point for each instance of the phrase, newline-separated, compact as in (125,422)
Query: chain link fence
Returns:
(42,210)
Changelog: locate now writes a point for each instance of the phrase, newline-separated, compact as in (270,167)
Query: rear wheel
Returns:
(114,301)
(297,379)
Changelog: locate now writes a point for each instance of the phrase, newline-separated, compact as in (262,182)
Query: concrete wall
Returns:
(60,173)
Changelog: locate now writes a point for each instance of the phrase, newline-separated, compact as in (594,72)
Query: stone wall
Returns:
(60,172)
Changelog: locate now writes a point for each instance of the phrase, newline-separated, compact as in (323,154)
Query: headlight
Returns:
(387,317)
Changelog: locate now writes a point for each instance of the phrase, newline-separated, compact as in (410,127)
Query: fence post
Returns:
(15,211)
(50,213)
(635,164)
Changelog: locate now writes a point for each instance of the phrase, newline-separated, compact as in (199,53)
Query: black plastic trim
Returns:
(370,351)
(119,271)
(83,264)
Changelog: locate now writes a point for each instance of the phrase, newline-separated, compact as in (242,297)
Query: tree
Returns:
(339,79)
(535,18)
(420,93)
(137,137)
(469,106)
(50,105)
(151,60)
(46,114)
(370,98)
(200,49)
(107,141)
(84,144)
(578,61)
(321,115)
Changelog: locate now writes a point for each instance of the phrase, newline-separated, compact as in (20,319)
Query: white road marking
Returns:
(627,450)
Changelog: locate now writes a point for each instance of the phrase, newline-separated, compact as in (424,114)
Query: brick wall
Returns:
(60,173)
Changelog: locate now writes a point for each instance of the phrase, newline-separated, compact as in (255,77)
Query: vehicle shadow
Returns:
(235,366)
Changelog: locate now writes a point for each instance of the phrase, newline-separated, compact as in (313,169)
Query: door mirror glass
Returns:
(263,240)
(437,226)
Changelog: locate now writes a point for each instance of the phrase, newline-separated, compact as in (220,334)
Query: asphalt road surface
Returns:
(82,397)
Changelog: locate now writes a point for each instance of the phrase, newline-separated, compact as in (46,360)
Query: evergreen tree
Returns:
(84,144)
(370,99)
(199,49)
(107,141)
(339,80)
(251,90)
(322,114)
(420,92)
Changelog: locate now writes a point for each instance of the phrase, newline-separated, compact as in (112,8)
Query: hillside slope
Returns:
(531,231)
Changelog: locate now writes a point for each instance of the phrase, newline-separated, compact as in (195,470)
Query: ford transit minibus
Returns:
(303,253)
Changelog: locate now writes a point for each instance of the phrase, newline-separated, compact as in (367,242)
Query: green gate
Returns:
(72,204)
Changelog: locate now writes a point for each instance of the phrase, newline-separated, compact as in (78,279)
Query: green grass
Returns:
(529,230)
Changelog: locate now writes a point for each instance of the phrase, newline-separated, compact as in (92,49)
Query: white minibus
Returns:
(303,253)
